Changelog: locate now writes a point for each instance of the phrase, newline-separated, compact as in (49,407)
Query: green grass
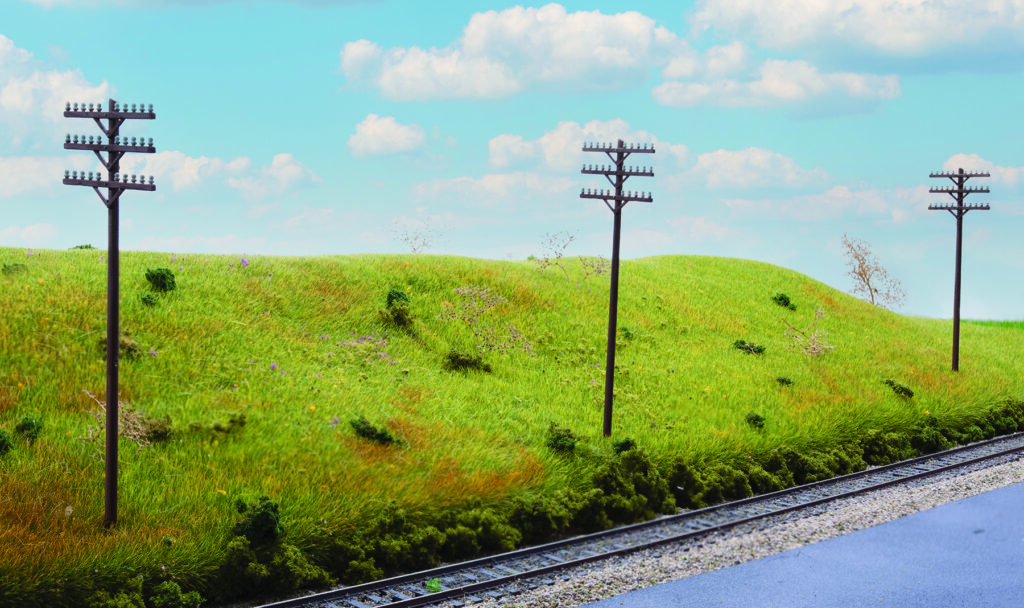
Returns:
(299,346)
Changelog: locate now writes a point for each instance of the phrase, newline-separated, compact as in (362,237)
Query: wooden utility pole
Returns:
(958,210)
(115,146)
(615,200)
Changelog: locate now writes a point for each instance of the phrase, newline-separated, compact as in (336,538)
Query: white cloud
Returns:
(972,162)
(896,27)
(492,188)
(699,229)
(781,83)
(502,53)
(21,174)
(384,135)
(897,205)
(32,98)
(229,243)
(35,235)
(752,167)
(282,173)
(562,147)
(182,170)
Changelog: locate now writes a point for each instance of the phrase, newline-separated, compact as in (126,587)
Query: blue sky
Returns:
(333,127)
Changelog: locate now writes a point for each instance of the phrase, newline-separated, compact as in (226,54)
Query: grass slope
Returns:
(299,347)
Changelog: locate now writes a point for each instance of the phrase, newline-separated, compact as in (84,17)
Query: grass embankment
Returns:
(300,348)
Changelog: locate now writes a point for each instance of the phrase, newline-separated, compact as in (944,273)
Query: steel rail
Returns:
(500,570)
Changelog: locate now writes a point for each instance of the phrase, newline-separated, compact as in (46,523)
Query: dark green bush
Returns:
(86,246)
(623,445)
(168,594)
(128,596)
(755,420)
(460,361)
(29,428)
(748,347)
(148,299)
(261,523)
(783,300)
(560,439)
(784,381)
(398,309)
(156,429)
(161,279)
(881,448)
(12,269)
(365,429)
(5,442)
(899,389)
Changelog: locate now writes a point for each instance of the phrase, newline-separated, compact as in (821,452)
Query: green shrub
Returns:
(748,347)
(168,595)
(156,429)
(29,428)
(148,299)
(560,439)
(783,300)
(5,442)
(128,596)
(623,445)
(365,429)
(86,246)
(433,585)
(784,381)
(898,388)
(460,361)
(161,279)
(261,523)
(755,420)
(13,269)
(881,448)
(397,309)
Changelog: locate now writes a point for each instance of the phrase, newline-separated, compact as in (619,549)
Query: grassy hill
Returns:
(246,378)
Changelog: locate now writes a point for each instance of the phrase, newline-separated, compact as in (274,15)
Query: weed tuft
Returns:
(459,361)
(783,300)
(161,279)
(29,428)
(561,439)
(148,299)
(5,442)
(748,347)
(13,269)
(784,381)
(365,429)
(261,523)
(755,420)
(623,445)
(900,389)
(397,309)
(168,594)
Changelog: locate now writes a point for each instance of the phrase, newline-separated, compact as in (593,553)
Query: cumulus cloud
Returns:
(561,147)
(34,235)
(895,27)
(502,53)
(781,83)
(184,171)
(1009,176)
(897,204)
(384,135)
(282,173)
(490,189)
(752,167)
(32,98)
(21,174)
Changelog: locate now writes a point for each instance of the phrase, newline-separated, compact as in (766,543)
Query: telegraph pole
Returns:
(958,210)
(615,200)
(115,147)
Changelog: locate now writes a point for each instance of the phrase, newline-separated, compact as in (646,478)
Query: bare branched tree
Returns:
(871,281)
(417,236)
(554,250)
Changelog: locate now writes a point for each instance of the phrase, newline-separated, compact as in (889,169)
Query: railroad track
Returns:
(493,577)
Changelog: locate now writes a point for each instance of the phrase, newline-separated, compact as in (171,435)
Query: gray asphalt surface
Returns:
(965,553)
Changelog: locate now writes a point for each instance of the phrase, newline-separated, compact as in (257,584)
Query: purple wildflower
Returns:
(273,366)
(245,262)
(152,352)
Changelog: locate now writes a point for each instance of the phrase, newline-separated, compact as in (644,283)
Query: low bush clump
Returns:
(623,445)
(899,389)
(560,439)
(755,420)
(365,429)
(783,300)
(459,361)
(5,442)
(261,522)
(397,309)
(748,347)
(12,269)
(168,594)
(29,428)
(161,279)
(148,299)
(127,346)
(784,381)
